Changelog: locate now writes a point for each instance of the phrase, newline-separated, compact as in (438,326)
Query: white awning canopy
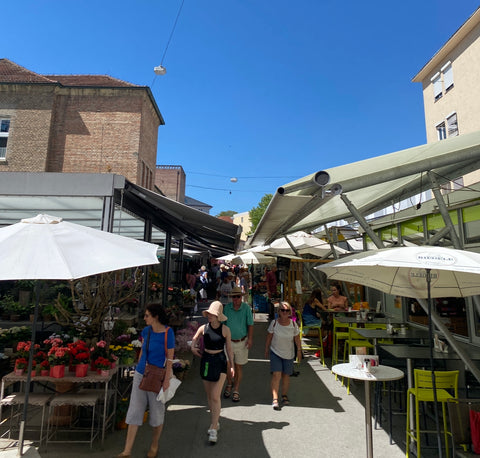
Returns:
(370,185)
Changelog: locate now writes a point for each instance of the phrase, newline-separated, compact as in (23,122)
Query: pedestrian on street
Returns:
(240,321)
(213,364)
(153,336)
(282,336)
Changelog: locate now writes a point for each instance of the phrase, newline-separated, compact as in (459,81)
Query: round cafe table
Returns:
(380,374)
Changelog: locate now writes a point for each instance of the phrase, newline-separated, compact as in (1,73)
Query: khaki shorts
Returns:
(240,352)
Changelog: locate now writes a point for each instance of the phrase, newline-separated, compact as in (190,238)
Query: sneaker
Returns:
(212,436)
(218,428)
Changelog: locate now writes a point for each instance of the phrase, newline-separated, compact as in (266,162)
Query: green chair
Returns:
(446,382)
(338,335)
(307,345)
(355,340)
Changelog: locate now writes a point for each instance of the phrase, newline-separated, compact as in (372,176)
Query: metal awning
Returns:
(110,202)
(371,185)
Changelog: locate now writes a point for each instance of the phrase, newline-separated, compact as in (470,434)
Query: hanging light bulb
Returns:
(160,70)
(234,179)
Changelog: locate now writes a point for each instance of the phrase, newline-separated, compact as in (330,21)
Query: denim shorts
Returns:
(278,364)
(139,401)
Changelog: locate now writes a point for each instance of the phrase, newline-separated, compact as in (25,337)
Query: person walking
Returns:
(240,321)
(213,364)
(153,336)
(280,348)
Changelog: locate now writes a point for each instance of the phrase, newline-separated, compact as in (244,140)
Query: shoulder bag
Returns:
(153,376)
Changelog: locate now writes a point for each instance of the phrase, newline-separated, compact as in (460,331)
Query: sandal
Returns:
(236,396)
(275,404)
(285,400)
(228,391)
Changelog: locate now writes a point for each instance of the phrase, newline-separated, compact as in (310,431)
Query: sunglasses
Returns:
(236,297)
(285,310)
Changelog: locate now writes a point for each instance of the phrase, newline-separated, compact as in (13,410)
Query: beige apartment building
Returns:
(243,219)
(451,89)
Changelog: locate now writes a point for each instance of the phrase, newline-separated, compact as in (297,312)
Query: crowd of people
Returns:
(223,345)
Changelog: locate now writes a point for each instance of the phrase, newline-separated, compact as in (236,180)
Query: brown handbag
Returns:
(153,376)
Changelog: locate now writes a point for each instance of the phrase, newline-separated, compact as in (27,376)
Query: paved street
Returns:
(321,420)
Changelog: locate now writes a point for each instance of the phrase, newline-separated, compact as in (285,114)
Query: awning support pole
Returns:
(459,246)
(444,211)
(166,267)
(362,221)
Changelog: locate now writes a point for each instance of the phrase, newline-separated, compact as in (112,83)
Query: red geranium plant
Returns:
(80,352)
(21,363)
(102,363)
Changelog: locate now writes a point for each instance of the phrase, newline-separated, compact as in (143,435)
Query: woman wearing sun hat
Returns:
(213,364)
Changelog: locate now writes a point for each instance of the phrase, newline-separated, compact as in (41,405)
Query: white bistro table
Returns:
(381,374)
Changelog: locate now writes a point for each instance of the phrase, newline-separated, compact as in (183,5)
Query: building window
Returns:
(437,86)
(441,131)
(452,125)
(447,76)
(4,130)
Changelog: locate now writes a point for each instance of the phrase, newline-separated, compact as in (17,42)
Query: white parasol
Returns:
(47,248)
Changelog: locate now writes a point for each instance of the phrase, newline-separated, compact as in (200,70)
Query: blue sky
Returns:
(266,91)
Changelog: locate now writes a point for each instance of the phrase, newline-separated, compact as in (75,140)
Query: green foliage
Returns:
(227,213)
(257,212)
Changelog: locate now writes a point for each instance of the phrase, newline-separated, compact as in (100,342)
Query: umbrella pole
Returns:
(432,365)
(29,371)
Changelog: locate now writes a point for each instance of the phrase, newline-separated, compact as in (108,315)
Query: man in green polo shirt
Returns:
(240,321)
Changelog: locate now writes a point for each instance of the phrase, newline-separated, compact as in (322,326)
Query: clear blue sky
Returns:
(266,91)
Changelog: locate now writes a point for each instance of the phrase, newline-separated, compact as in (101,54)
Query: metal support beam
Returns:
(444,212)
(362,221)
(166,267)
(451,340)
(438,236)
(457,243)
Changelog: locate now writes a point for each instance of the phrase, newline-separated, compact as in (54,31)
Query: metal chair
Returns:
(309,345)
(338,335)
(423,392)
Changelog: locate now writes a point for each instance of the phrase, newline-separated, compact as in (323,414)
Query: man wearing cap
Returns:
(225,288)
(240,321)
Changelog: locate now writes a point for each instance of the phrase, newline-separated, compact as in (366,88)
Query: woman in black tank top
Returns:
(213,364)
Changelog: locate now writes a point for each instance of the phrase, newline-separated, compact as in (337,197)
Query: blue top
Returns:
(156,348)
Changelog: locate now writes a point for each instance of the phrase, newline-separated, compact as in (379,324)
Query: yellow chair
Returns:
(338,335)
(355,340)
(308,345)
(423,391)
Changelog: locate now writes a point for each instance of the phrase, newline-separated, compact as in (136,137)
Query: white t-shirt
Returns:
(282,341)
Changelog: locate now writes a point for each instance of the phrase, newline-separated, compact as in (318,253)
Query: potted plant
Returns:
(20,366)
(58,357)
(80,355)
(103,366)
(48,312)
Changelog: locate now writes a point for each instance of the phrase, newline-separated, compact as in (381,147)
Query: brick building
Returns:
(77,123)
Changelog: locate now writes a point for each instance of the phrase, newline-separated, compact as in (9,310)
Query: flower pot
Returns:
(45,372)
(18,371)
(81,370)
(57,371)
(104,372)
(121,424)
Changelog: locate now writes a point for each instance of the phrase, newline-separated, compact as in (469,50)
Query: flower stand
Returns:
(81,370)
(57,371)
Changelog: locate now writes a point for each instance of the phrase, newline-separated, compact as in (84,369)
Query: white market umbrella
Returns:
(47,248)
(250,257)
(420,272)
(402,271)
(302,243)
